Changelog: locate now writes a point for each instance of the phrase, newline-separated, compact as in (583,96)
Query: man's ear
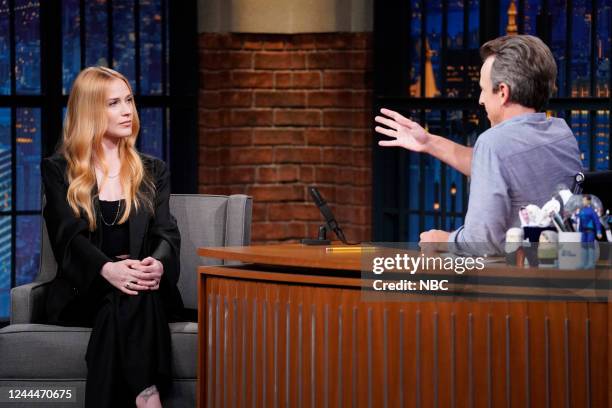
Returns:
(504,92)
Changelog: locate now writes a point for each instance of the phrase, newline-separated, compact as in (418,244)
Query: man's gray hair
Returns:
(526,65)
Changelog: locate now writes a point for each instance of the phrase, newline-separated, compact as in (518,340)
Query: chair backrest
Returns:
(203,220)
(207,220)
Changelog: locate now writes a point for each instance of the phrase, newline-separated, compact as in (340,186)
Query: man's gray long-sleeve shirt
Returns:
(518,162)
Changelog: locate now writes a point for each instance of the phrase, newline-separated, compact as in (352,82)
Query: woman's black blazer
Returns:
(78,251)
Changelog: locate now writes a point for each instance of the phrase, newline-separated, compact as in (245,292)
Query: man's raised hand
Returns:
(405,132)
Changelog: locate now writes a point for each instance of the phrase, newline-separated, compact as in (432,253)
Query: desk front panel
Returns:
(292,342)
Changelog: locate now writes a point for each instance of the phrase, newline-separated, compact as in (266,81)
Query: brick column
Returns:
(279,113)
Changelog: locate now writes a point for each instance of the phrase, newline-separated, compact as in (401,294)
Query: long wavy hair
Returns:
(84,127)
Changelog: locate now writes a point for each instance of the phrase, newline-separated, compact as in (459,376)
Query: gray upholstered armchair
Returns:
(35,354)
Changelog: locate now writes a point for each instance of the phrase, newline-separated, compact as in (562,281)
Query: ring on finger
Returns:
(127,285)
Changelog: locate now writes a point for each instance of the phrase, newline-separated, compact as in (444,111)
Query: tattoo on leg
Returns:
(148,392)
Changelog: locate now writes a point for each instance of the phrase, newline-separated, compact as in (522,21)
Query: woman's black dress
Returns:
(129,348)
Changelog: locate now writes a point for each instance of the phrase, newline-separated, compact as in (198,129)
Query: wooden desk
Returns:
(291,329)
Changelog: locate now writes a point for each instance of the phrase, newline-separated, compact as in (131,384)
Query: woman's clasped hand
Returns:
(131,276)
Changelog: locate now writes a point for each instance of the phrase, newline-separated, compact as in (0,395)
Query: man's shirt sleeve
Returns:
(489,207)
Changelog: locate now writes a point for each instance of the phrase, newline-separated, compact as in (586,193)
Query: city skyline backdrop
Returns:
(453,71)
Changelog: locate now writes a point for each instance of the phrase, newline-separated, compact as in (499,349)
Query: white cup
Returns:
(570,250)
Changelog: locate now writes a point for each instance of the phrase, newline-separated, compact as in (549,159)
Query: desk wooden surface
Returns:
(316,257)
(293,255)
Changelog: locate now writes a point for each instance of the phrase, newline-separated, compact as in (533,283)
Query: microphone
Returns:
(330,220)
(325,210)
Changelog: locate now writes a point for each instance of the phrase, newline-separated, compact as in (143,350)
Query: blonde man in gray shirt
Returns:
(518,161)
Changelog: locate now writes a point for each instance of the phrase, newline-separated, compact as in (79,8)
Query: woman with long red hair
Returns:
(115,242)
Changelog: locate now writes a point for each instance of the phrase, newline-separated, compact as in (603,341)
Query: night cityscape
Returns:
(459,77)
(27,81)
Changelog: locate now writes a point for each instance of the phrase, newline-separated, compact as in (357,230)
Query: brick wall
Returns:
(279,113)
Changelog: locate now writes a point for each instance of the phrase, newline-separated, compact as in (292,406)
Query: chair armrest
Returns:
(28,302)
(238,227)
(239,214)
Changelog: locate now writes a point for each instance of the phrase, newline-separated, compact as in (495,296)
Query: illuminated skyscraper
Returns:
(431,89)
(462,73)
(96,33)
(531,10)
(602,140)
(512,28)
(415,61)
(151,47)
(28,158)
(27,47)
(5,159)
(124,40)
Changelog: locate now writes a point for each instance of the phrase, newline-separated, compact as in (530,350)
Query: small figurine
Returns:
(589,226)
(524,216)
(588,221)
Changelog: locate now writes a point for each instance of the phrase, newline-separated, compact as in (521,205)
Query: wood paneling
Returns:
(289,342)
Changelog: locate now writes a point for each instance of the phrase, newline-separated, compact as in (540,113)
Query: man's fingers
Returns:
(389,112)
(387,122)
(385,131)
(388,143)
(425,236)
(398,117)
